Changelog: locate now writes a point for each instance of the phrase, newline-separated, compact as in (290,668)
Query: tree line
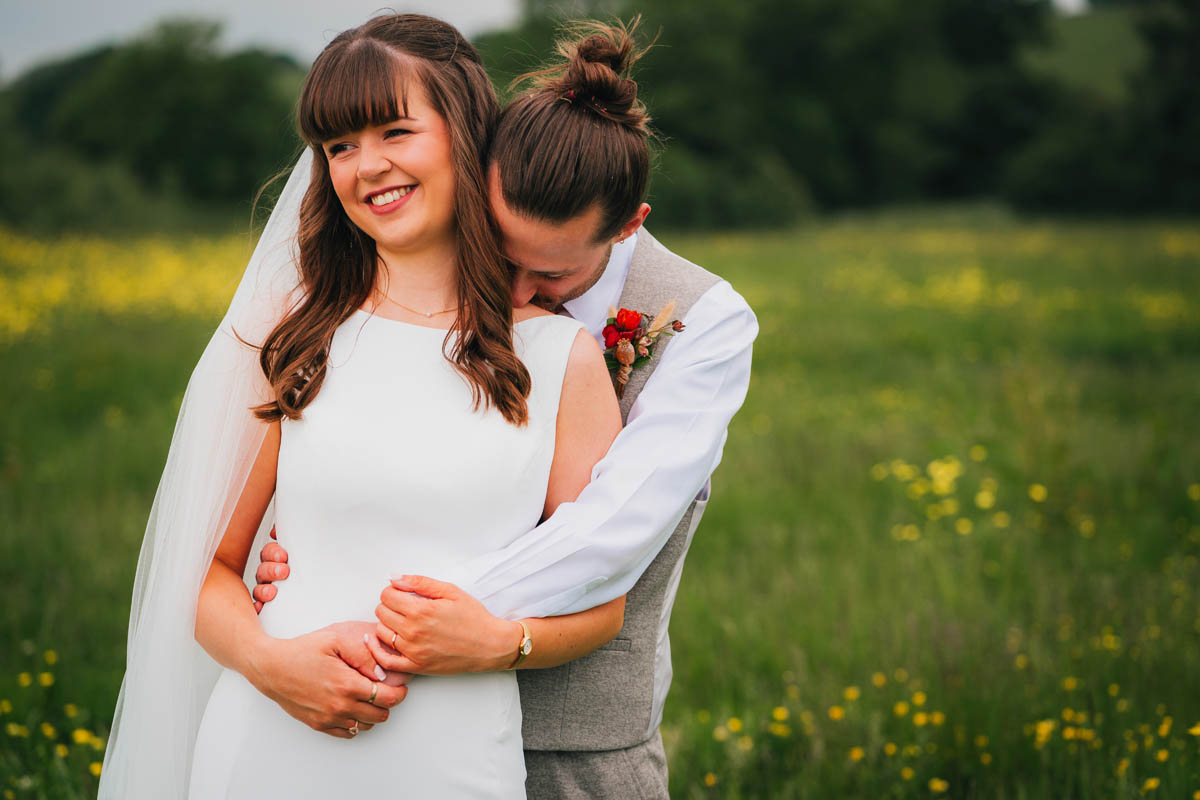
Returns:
(766,110)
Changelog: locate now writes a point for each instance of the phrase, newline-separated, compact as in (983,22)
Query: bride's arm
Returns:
(312,677)
(442,630)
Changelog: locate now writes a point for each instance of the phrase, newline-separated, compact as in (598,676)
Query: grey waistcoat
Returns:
(606,700)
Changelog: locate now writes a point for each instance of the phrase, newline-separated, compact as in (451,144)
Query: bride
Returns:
(394,414)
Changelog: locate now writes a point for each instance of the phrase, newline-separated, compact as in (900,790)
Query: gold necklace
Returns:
(426,314)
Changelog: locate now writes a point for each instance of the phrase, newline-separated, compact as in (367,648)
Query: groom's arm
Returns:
(594,549)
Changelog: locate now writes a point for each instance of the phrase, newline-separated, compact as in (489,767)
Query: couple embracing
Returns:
(414,384)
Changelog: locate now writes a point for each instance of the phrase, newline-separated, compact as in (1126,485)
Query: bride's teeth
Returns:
(390,197)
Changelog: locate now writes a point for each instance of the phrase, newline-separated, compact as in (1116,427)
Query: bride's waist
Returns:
(305,603)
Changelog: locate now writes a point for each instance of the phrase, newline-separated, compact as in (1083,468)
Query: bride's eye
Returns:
(397,131)
(334,149)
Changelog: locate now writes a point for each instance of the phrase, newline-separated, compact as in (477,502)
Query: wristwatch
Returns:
(525,647)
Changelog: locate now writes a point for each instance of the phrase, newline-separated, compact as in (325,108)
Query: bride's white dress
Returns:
(391,470)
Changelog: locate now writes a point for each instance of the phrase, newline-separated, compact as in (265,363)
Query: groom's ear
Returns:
(635,222)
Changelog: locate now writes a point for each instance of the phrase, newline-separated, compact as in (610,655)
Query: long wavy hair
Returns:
(358,81)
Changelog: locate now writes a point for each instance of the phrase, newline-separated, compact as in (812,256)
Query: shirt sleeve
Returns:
(594,549)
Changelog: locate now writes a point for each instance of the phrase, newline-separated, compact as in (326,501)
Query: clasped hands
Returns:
(424,626)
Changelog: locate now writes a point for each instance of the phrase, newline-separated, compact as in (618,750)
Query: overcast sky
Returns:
(38,30)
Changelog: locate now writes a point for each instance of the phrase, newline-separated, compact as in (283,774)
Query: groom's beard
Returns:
(555,304)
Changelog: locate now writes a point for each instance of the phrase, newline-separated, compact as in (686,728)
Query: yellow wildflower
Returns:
(1070,683)
(1087,527)
(1037,492)
(1162,755)
(851,693)
(745,743)
(1195,729)
(836,713)
(900,675)
(1164,727)
(5,706)
(907,773)
(985,499)
(720,733)
(51,657)
(900,709)
(779,713)
(46,678)
(94,768)
(937,785)
(856,754)
(981,741)
(878,472)
(985,758)
(71,710)
(734,724)
(977,452)
(920,718)
(1122,765)
(918,698)
(1194,491)
(710,779)
(61,750)
(1122,704)
(937,717)
(1001,519)
(81,736)
(48,730)
(879,679)
(1114,689)
(780,729)
(963,526)
(890,749)
(1150,785)
(1021,661)
(24,680)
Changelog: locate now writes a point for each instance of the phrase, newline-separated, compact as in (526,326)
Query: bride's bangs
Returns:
(360,84)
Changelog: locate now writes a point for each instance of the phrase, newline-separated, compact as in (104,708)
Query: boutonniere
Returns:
(630,337)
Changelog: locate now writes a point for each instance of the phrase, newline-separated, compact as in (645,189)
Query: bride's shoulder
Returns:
(529,311)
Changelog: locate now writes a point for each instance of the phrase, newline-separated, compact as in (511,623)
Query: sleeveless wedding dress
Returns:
(391,470)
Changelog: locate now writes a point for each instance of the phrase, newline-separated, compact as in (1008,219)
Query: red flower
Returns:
(610,335)
(628,320)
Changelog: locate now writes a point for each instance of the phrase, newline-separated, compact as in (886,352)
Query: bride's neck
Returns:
(425,279)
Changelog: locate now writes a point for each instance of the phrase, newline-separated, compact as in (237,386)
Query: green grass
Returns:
(1068,351)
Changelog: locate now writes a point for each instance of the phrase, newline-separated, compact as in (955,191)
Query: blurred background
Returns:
(952,549)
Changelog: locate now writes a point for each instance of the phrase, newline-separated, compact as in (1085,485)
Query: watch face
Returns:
(527,647)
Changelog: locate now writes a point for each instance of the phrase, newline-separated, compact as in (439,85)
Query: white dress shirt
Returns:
(594,549)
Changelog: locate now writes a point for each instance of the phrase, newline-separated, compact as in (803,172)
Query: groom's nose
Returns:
(524,288)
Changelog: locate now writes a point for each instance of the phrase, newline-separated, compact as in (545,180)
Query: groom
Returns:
(567,174)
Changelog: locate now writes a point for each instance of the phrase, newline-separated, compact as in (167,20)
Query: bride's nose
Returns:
(371,161)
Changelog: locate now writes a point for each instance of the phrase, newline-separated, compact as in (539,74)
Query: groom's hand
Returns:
(440,630)
(272,567)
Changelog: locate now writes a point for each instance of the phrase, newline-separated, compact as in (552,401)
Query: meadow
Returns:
(952,547)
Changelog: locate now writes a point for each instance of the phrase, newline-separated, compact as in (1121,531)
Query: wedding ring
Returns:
(353,728)
(374,691)
(394,641)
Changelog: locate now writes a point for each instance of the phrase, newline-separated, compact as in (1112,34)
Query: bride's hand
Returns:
(320,678)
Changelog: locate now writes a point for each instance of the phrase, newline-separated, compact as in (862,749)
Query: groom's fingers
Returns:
(406,604)
(391,660)
(263,593)
(424,586)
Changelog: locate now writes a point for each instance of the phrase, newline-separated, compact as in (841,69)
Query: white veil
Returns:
(168,676)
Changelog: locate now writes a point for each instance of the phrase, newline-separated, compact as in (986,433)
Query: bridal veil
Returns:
(168,676)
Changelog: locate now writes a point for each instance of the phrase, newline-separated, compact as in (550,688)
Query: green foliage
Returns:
(144,132)
(1133,155)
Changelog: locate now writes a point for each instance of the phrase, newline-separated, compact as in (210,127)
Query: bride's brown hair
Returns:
(353,85)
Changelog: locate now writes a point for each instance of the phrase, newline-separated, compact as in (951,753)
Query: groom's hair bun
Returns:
(594,73)
(577,134)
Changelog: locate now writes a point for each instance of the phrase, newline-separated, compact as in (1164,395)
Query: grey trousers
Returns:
(636,773)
